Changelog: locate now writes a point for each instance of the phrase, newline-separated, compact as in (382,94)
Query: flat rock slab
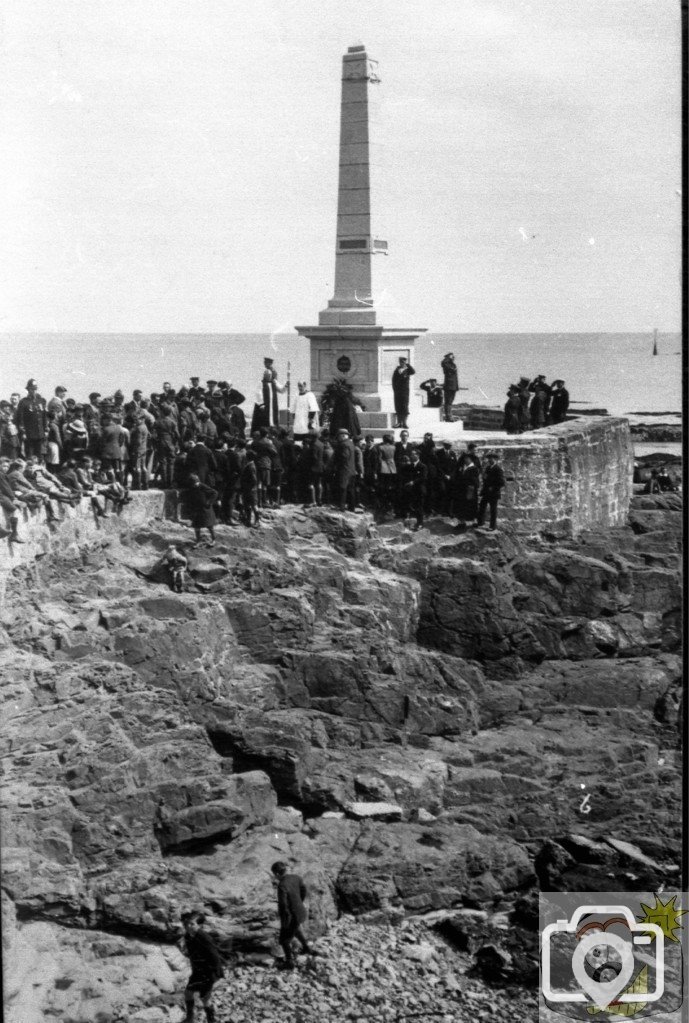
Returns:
(375,811)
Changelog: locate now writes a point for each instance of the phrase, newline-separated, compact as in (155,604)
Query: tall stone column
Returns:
(348,343)
(355,245)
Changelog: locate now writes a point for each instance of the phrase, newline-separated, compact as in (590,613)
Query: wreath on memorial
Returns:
(339,391)
(338,395)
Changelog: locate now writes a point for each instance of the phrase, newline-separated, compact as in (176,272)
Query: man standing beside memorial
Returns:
(450,384)
(400,390)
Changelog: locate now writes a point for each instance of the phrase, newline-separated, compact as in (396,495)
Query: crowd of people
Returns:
(197,439)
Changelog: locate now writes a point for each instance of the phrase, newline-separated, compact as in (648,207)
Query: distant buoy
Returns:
(655,341)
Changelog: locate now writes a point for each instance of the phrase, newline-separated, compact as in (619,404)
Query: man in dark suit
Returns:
(291,892)
(344,471)
(402,448)
(446,460)
(539,384)
(493,482)
(414,476)
(400,390)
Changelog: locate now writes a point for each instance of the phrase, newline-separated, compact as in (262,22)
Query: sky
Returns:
(170,165)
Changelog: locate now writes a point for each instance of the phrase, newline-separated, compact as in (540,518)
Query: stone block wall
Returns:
(568,478)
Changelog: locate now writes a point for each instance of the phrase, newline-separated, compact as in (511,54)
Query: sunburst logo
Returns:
(665,915)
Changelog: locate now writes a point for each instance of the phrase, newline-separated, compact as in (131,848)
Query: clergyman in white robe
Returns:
(305,409)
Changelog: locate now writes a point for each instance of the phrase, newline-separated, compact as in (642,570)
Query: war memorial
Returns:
(429,728)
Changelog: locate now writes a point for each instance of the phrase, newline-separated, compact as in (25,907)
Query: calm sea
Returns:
(613,371)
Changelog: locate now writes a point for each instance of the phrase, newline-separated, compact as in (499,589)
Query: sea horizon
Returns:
(614,370)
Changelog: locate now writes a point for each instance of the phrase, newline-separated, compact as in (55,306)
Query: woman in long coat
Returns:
(200,500)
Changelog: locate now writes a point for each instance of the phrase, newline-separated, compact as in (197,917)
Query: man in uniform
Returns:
(450,383)
(400,390)
(434,392)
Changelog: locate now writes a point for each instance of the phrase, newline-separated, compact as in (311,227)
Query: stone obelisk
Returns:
(348,342)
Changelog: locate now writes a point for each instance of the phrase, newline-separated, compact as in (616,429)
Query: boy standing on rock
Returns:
(292,911)
(206,965)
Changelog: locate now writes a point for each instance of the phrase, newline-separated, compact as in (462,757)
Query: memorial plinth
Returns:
(348,343)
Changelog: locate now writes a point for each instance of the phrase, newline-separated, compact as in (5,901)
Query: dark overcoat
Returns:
(200,501)
(400,389)
(291,895)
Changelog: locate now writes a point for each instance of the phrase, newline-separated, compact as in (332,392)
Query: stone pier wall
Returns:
(568,478)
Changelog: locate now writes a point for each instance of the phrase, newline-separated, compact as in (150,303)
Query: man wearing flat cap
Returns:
(450,384)
(32,422)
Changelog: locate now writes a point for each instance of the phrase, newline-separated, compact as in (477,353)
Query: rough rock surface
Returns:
(415,721)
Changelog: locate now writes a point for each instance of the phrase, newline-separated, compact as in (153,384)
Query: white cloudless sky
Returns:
(171,165)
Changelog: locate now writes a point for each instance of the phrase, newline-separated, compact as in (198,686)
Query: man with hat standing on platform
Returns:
(450,384)
(32,422)
(400,390)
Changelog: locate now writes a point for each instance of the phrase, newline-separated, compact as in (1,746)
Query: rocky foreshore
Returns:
(414,720)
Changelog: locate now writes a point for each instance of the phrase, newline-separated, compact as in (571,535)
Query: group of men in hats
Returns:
(532,404)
